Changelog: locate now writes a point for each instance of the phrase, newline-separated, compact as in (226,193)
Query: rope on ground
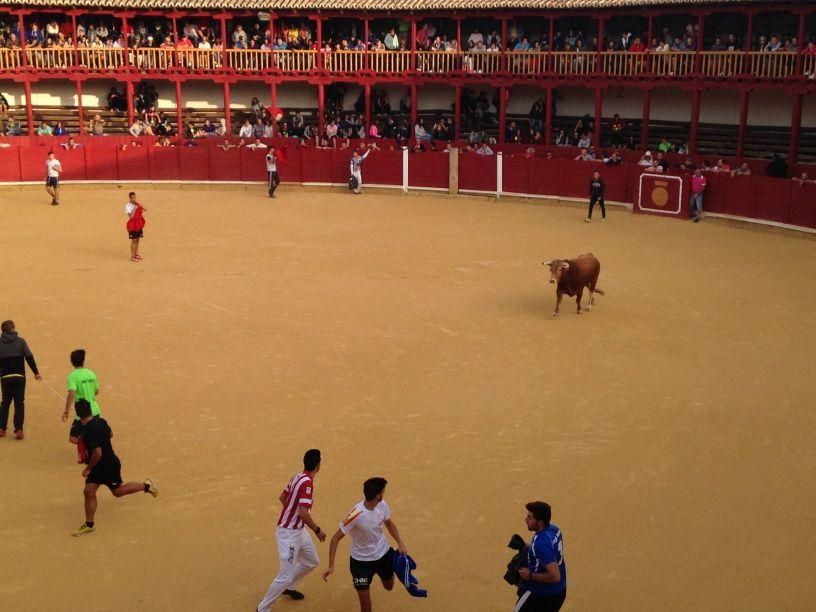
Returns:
(54,391)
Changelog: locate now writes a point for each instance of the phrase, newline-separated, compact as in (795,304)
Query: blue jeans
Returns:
(697,204)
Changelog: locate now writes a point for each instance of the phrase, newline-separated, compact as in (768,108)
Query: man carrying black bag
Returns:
(543,578)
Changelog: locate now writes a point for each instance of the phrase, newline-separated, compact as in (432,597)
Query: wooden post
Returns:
(320,58)
(505,42)
(227,109)
(178,107)
(743,121)
(503,94)
(413,111)
(273,103)
(698,59)
(367,108)
(126,59)
(746,63)
(550,47)
(596,139)
(695,121)
(129,93)
(413,47)
(598,51)
(796,122)
(453,171)
(76,42)
(644,125)
(321,109)
(21,27)
(548,112)
(80,108)
(223,20)
(29,107)
(801,44)
(457,114)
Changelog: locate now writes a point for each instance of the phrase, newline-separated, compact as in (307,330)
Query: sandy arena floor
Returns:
(672,428)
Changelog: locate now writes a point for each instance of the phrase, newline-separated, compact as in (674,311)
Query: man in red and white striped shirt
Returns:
(295,548)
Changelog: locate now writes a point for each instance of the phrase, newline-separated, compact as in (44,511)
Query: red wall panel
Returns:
(545,176)
(10,165)
(253,164)
(73,164)
(477,173)
(772,199)
(133,163)
(738,194)
(383,168)
(194,163)
(803,204)
(164,164)
(225,165)
(290,170)
(428,169)
(316,165)
(516,174)
(32,163)
(101,163)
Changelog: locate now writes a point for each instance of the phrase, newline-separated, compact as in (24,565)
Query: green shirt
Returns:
(83,383)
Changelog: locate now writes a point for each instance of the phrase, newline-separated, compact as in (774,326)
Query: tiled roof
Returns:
(370,5)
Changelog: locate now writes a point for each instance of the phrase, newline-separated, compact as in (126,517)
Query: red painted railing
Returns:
(670,65)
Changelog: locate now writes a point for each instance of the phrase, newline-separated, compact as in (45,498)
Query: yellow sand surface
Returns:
(671,428)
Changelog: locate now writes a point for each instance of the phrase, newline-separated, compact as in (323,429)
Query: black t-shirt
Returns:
(97,434)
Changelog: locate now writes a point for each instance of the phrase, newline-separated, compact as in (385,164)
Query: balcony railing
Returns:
(523,64)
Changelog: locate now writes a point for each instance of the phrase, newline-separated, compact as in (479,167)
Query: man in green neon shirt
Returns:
(82,384)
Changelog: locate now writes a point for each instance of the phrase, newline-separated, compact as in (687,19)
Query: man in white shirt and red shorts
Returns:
(135,225)
(296,550)
(370,553)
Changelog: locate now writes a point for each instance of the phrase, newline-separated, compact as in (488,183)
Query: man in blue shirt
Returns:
(543,585)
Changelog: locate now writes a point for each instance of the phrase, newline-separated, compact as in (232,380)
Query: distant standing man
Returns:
(543,585)
(103,466)
(82,385)
(355,168)
(53,169)
(296,550)
(698,185)
(370,553)
(597,188)
(14,353)
(135,225)
(272,171)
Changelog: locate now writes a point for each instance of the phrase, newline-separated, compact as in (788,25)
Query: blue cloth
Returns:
(403,566)
(546,547)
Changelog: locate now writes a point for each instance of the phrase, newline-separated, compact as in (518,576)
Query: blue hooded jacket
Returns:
(404,565)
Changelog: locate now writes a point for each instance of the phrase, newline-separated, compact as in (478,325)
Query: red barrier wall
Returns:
(756,197)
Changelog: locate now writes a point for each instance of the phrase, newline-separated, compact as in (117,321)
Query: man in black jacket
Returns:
(13,353)
(596,194)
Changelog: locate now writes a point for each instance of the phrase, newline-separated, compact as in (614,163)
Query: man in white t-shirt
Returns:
(272,171)
(370,553)
(53,169)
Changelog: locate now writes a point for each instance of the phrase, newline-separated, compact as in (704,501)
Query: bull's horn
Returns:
(564,265)
(547,263)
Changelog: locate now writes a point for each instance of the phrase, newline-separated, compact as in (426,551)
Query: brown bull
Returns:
(572,275)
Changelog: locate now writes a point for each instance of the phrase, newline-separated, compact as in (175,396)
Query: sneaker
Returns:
(139,257)
(603,219)
(151,487)
(296,595)
(587,220)
(18,433)
(83,529)
(696,219)
(54,202)
(136,259)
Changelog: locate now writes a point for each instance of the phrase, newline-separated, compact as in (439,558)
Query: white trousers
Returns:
(297,556)
(359,176)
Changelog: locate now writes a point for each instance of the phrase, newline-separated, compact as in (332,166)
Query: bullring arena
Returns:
(411,336)
(408,332)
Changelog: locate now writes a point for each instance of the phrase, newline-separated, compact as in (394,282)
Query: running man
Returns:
(370,553)
(296,550)
(135,225)
(272,171)
(103,466)
(53,169)
(14,354)
(82,385)
(543,586)
(354,167)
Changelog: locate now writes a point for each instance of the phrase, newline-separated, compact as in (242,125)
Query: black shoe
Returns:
(696,219)
(296,595)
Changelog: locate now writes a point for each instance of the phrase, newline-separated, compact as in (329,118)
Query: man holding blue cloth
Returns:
(543,586)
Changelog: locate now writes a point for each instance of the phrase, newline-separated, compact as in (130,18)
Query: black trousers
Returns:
(13,388)
(599,200)
(540,603)
(274,181)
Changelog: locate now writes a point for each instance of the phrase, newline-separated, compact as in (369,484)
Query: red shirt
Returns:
(136,220)
(298,493)
(698,183)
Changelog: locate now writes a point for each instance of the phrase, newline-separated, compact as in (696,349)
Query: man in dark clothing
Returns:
(103,467)
(596,194)
(778,167)
(14,352)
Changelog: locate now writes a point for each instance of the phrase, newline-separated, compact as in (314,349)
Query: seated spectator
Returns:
(419,131)
(374,131)
(258,128)
(163,141)
(116,101)
(778,167)
(646,160)
(246,130)
(71,144)
(688,165)
(226,145)
(44,129)
(722,166)
(585,141)
(257,145)
(742,170)
(584,155)
(221,128)
(96,125)
(258,110)
(297,124)
(614,159)
(13,127)
(59,130)
(562,140)
(804,179)
(137,128)
(208,128)
(661,161)
(418,147)
(269,130)
(664,146)
(484,150)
